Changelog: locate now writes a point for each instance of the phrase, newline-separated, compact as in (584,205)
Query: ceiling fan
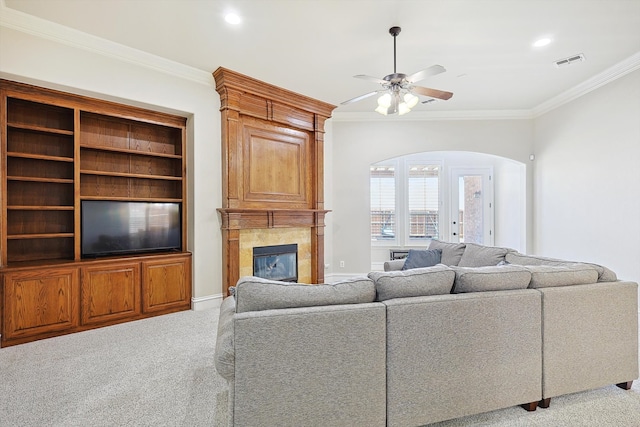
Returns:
(398,89)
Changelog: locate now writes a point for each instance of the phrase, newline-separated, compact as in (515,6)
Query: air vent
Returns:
(570,60)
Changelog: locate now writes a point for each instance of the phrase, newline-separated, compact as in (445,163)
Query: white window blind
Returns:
(423,200)
(383,202)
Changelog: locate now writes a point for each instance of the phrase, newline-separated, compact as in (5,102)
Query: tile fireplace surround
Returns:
(272,174)
(250,239)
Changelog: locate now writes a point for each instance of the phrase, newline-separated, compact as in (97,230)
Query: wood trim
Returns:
(230,83)
(92,105)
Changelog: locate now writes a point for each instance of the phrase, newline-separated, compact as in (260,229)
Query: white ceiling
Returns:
(315,47)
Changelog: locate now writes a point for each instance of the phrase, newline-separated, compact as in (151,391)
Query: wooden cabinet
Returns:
(39,302)
(58,150)
(163,284)
(44,301)
(110,292)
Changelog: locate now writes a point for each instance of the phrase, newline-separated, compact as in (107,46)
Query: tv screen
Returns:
(114,227)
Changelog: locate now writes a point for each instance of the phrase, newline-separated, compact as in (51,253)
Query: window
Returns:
(383,202)
(423,200)
(405,201)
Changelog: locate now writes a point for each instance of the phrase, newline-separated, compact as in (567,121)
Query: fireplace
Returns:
(279,262)
(273,176)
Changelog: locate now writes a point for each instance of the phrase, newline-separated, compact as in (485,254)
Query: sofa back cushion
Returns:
(436,280)
(491,278)
(419,258)
(546,276)
(451,252)
(604,274)
(256,294)
(482,256)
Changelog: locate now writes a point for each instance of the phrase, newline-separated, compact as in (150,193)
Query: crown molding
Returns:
(11,18)
(434,115)
(622,68)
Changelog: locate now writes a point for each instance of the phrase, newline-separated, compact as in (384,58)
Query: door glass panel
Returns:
(470,209)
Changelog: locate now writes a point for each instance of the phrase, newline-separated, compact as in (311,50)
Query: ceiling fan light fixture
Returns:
(382,110)
(403,108)
(411,99)
(384,100)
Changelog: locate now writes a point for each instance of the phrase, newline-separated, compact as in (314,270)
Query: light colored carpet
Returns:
(160,372)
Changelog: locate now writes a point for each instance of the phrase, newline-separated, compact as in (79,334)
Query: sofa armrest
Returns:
(590,336)
(224,357)
(394,265)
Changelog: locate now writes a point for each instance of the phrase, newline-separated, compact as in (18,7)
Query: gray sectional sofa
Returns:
(484,328)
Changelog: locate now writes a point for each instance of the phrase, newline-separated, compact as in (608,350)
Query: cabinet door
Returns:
(166,284)
(110,292)
(40,302)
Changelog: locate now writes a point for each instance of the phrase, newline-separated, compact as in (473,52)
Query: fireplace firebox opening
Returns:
(279,262)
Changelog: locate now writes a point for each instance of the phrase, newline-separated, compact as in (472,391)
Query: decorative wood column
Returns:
(273,165)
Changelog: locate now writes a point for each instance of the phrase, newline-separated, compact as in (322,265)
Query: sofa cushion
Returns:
(255,294)
(482,256)
(545,276)
(422,258)
(490,278)
(604,274)
(451,252)
(436,280)
(224,357)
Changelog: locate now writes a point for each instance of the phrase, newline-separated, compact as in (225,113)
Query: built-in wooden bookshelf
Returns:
(57,150)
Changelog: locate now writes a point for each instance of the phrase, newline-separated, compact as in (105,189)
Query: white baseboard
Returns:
(206,303)
(377,266)
(336,277)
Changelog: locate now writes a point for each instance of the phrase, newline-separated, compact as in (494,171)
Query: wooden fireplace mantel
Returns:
(273,165)
(241,219)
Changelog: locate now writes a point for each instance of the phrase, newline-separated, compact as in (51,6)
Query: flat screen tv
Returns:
(115,227)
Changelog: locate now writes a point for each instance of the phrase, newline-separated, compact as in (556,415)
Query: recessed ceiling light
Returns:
(232,18)
(542,42)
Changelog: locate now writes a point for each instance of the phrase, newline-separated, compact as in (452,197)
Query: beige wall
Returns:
(587,178)
(357,144)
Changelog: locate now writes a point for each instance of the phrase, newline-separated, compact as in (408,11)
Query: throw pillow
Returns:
(436,280)
(255,294)
(482,256)
(546,276)
(451,252)
(422,258)
(490,278)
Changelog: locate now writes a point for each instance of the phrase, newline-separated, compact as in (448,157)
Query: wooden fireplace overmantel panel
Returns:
(273,164)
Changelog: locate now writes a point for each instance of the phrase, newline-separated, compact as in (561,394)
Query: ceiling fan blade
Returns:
(371,79)
(359,98)
(433,93)
(421,75)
